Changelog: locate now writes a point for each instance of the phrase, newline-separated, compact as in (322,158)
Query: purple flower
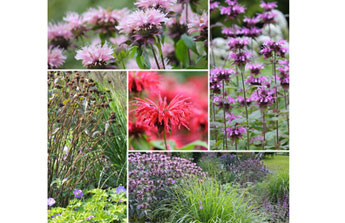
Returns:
(255,68)
(251,22)
(200,207)
(120,189)
(237,44)
(51,202)
(241,58)
(88,218)
(268,6)
(221,73)
(78,193)
(231,117)
(200,202)
(95,56)
(252,32)
(268,17)
(236,132)
(232,31)
(173,182)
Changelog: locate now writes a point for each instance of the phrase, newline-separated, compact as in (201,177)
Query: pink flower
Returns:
(167,49)
(55,57)
(95,56)
(164,116)
(268,6)
(74,20)
(143,25)
(59,34)
(166,5)
(142,80)
(199,24)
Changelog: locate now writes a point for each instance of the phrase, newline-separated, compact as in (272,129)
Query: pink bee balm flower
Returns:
(164,116)
(55,57)
(199,24)
(143,25)
(165,5)
(74,20)
(59,34)
(95,56)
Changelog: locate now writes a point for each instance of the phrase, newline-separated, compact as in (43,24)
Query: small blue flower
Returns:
(120,189)
(51,202)
(78,193)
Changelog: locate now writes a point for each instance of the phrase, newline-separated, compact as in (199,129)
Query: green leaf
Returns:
(182,53)
(192,145)
(189,42)
(159,144)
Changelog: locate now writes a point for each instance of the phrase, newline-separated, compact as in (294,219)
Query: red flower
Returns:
(163,116)
(141,80)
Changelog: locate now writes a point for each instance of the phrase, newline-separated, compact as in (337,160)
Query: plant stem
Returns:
(287,116)
(189,60)
(235,144)
(165,140)
(214,119)
(162,58)
(277,102)
(225,136)
(246,106)
(154,55)
(263,129)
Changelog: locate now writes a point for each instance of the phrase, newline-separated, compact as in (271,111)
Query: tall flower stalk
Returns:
(246,106)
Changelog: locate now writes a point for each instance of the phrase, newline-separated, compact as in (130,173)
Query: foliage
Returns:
(151,177)
(84,117)
(207,201)
(97,206)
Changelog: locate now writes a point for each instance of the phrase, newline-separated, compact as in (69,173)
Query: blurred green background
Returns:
(57,8)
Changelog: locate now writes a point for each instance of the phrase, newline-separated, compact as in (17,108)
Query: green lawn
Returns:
(277,163)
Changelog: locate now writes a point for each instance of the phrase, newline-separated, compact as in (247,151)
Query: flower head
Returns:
(199,24)
(59,34)
(232,10)
(222,73)
(264,96)
(255,68)
(104,20)
(143,25)
(268,17)
(76,23)
(232,31)
(268,6)
(236,132)
(164,5)
(142,80)
(240,58)
(78,193)
(164,116)
(95,56)
(237,44)
(231,117)
(55,57)
(201,207)
(120,189)
(251,32)
(274,46)
(90,217)
(251,22)
(51,202)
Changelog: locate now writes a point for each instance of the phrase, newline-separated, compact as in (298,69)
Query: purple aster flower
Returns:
(88,218)
(78,193)
(120,189)
(51,202)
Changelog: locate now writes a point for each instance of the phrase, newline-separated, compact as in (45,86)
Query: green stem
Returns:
(225,136)
(246,106)
(263,129)
(277,100)
(162,58)
(165,140)
(154,55)
(214,119)
(189,59)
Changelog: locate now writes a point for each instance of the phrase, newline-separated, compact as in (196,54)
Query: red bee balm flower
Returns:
(163,116)
(141,80)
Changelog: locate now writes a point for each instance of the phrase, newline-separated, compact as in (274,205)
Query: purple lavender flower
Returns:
(120,189)
(78,193)
(51,202)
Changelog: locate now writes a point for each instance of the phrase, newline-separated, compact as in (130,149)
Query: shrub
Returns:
(97,205)
(216,169)
(151,177)
(207,201)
